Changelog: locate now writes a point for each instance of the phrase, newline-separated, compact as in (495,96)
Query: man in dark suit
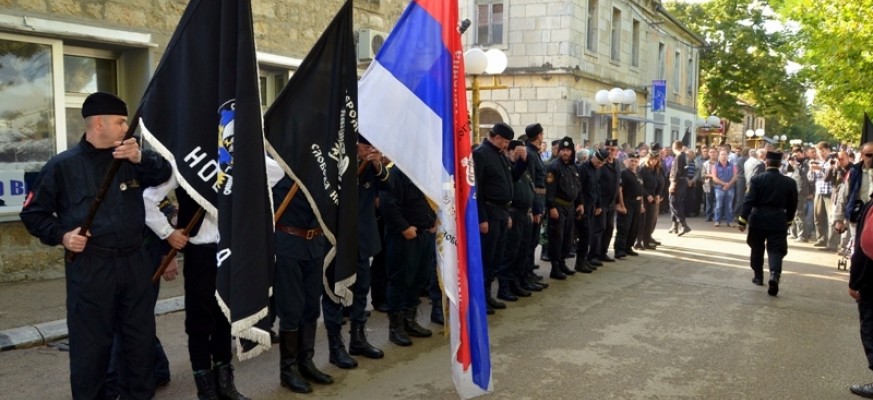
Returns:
(768,210)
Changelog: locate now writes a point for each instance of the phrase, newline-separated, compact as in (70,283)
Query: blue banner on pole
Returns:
(659,95)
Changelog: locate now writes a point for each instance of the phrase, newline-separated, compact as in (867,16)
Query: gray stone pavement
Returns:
(682,322)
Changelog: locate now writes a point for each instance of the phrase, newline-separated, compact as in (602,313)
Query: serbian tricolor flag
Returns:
(413,108)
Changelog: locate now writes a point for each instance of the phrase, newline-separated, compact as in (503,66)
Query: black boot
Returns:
(675,228)
(288,374)
(516,289)
(306,350)
(773,284)
(504,293)
(205,382)
(396,332)
(491,301)
(582,266)
(685,229)
(436,314)
(544,253)
(411,324)
(358,344)
(224,382)
(758,278)
(565,269)
(556,272)
(526,284)
(338,354)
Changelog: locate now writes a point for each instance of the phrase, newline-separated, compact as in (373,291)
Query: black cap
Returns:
(655,147)
(633,155)
(515,143)
(533,129)
(611,142)
(555,142)
(774,156)
(101,103)
(503,130)
(601,154)
(566,143)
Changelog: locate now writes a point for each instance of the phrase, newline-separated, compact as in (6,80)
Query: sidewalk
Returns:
(34,313)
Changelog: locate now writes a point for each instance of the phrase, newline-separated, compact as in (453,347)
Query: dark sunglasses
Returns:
(868,155)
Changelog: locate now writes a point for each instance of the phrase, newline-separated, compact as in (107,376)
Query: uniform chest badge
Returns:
(550,177)
(367,185)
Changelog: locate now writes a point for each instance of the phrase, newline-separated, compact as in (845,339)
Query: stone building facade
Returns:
(561,52)
(53,53)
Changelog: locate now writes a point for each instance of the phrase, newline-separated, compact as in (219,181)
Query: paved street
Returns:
(684,321)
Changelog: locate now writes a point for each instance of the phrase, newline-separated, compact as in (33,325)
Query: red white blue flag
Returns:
(413,108)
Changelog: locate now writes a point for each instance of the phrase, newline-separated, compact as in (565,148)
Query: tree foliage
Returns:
(743,59)
(834,44)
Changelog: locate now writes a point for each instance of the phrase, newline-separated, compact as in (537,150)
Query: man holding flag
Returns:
(419,76)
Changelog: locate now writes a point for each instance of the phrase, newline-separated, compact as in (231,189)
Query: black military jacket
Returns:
(771,201)
(562,184)
(298,215)
(404,205)
(608,184)
(369,184)
(589,176)
(631,186)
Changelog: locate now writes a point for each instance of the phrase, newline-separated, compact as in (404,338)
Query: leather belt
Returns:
(540,191)
(108,252)
(307,234)
(498,205)
(516,210)
(562,202)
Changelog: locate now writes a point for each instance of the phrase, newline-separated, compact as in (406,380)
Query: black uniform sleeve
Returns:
(518,169)
(479,170)
(749,201)
(38,214)
(153,169)
(383,179)
(390,202)
(552,179)
(791,207)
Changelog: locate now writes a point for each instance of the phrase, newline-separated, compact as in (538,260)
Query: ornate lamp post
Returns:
(617,97)
(477,62)
(708,125)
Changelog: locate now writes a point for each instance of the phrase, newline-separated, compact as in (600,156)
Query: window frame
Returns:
(615,35)
(504,20)
(591,28)
(635,42)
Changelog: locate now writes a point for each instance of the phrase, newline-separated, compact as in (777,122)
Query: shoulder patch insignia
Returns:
(550,178)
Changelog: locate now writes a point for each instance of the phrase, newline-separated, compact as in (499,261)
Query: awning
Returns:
(634,118)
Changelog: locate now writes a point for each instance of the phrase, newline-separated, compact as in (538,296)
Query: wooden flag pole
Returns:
(290,196)
(172,254)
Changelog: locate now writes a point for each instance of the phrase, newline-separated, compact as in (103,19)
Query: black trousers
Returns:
(378,275)
(677,202)
(776,244)
(865,313)
(408,265)
(603,229)
(514,263)
(561,233)
(628,226)
(207,328)
(297,289)
(650,219)
(108,295)
(494,242)
(333,312)
(583,233)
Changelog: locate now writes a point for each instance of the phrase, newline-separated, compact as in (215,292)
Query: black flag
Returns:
(686,138)
(202,112)
(312,130)
(867,130)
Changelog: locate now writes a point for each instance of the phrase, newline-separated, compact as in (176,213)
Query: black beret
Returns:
(505,131)
(533,129)
(566,143)
(555,142)
(774,156)
(611,142)
(101,103)
(601,154)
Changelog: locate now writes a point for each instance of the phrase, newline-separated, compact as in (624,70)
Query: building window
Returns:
(635,45)
(85,71)
(488,117)
(674,135)
(272,81)
(616,35)
(677,69)
(691,73)
(591,43)
(489,22)
(662,54)
(660,138)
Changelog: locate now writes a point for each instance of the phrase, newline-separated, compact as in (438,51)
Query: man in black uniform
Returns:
(564,203)
(769,209)
(515,261)
(537,170)
(603,223)
(410,243)
(494,178)
(300,250)
(678,189)
(861,290)
(632,194)
(109,284)
(373,177)
(589,175)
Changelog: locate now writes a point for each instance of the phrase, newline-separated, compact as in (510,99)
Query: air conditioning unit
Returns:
(369,43)
(583,108)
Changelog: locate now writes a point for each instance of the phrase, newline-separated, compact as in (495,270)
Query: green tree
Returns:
(834,41)
(743,59)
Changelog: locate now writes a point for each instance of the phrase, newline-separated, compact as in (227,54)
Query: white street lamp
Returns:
(477,62)
(616,97)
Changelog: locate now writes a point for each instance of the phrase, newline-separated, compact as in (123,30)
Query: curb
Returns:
(47,332)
